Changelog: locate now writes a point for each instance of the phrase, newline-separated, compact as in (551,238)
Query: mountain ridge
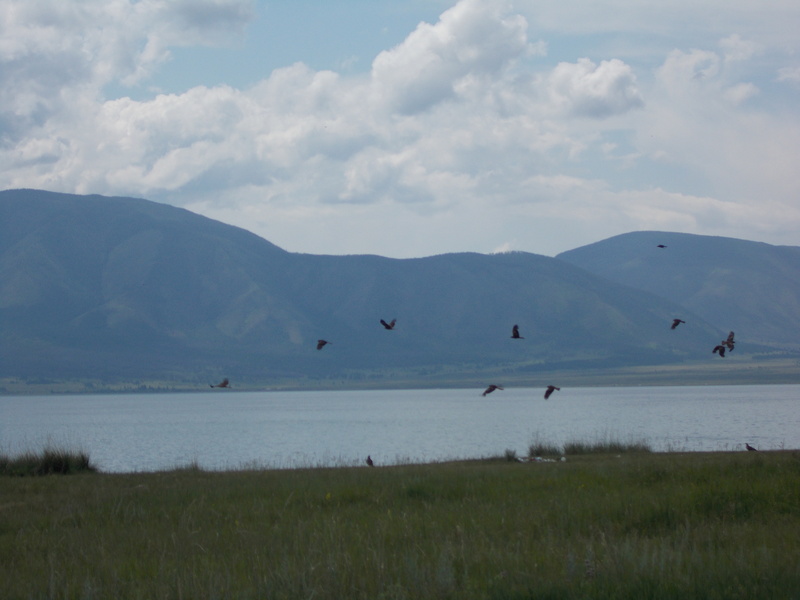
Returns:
(732,283)
(113,289)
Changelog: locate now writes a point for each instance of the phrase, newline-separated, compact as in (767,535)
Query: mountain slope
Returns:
(750,287)
(121,289)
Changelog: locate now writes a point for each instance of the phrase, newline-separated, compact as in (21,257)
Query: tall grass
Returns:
(644,525)
(602,444)
(50,461)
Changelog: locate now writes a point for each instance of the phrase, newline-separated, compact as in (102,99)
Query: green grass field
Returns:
(629,525)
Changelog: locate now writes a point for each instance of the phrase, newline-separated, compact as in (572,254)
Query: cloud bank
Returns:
(465,136)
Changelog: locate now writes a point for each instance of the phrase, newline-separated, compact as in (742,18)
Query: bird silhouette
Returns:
(321,344)
(389,325)
(726,343)
(749,447)
(661,246)
(729,342)
(515,333)
(222,384)
(550,389)
(676,322)
(369,461)
(491,388)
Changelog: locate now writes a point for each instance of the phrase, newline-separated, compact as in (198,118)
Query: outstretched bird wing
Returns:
(549,391)
(492,388)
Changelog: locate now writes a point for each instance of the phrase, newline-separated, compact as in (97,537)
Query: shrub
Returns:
(49,461)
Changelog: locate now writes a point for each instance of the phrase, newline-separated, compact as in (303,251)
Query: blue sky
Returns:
(411,128)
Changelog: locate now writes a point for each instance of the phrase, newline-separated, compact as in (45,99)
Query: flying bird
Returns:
(749,447)
(321,344)
(719,349)
(661,246)
(222,384)
(491,388)
(369,461)
(729,342)
(676,322)
(389,325)
(515,333)
(550,389)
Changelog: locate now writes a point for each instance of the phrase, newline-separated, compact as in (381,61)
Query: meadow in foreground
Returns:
(633,525)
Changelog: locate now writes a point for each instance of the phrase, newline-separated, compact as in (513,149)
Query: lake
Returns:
(226,429)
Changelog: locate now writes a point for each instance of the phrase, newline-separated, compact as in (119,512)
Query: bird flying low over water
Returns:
(321,344)
(389,325)
(676,322)
(549,391)
(369,461)
(491,388)
(750,448)
(222,384)
(515,333)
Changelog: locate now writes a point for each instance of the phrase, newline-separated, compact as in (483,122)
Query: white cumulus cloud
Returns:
(465,135)
(586,89)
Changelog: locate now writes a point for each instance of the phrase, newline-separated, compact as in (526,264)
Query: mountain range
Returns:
(101,289)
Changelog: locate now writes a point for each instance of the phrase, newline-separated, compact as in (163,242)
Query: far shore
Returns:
(734,371)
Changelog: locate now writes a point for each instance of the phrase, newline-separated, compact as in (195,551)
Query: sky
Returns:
(410,128)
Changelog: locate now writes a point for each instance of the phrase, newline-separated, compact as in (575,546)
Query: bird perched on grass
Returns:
(750,448)
(676,322)
(369,461)
(515,333)
(222,384)
(389,325)
(550,389)
(321,344)
(491,388)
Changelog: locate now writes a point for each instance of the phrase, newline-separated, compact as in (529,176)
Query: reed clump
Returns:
(600,445)
(601,526)
(50,461)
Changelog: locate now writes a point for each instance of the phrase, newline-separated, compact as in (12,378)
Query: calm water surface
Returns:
(228,429)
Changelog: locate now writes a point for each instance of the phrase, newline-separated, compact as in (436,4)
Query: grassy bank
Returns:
(641,525)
